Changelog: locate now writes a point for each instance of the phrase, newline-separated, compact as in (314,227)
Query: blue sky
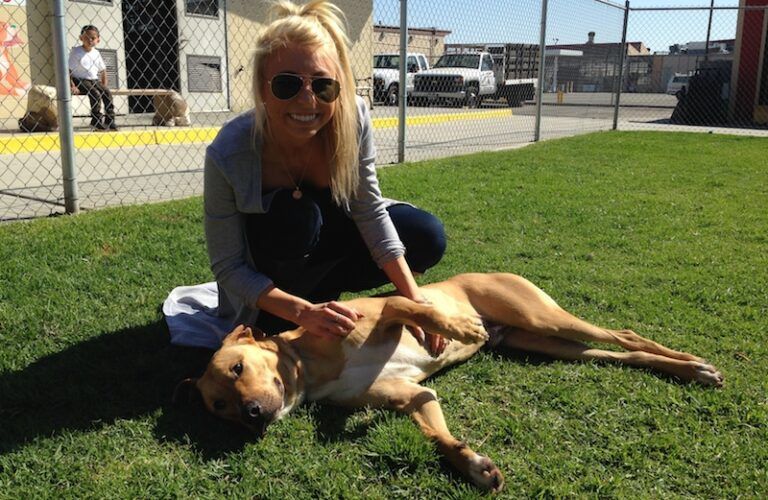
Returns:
(568,21)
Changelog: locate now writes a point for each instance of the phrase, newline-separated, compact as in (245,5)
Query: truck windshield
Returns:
(384,61)
(458,61)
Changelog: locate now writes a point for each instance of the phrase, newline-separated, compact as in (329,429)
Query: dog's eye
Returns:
(219,405)
(237,369)
(278,384)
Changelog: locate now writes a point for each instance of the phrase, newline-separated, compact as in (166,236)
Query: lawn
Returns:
(666,234)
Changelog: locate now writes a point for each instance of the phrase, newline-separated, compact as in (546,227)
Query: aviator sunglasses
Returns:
(286,86)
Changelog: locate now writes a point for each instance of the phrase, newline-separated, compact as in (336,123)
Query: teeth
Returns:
(303,118)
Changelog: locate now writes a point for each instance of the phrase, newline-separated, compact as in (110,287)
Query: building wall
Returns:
(15,74)
(197,36)
(244,20)
(746,78)
(387,41)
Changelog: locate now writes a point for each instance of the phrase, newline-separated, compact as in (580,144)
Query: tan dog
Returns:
(41,114)
(257,381)
(170,110)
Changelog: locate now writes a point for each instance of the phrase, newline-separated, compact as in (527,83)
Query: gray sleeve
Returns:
(368,208)
(225,237)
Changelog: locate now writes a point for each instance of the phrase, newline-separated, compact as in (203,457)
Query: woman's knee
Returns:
(422,234)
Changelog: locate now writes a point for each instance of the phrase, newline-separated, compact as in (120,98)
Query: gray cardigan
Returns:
(232,188)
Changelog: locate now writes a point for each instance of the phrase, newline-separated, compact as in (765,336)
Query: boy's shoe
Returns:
(112,126)
(100,126)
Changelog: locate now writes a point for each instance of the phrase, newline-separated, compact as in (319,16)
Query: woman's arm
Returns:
(329,319)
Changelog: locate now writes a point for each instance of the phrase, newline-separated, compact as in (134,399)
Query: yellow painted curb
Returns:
(41,143)
(391,122)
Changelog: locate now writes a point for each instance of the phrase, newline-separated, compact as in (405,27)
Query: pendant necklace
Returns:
(297,193)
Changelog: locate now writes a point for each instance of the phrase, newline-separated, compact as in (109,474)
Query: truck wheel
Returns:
(472,99)
(391,97)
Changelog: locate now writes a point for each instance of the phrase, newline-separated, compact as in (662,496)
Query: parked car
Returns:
(677,82)
(386,75)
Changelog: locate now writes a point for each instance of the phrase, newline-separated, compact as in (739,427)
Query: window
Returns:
(204,73)
(110,61)
(487,64)
(206,8)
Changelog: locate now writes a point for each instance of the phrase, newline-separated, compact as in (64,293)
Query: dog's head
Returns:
(248,380)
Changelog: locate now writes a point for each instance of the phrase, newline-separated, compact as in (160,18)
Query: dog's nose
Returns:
(251,411)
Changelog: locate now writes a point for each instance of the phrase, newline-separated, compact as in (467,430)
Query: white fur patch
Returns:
(365,367)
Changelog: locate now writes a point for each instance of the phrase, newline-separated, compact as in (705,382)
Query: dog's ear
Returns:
(242,334)
(186,392)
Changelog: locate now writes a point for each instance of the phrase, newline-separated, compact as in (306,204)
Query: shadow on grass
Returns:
(132,373)
(121,375)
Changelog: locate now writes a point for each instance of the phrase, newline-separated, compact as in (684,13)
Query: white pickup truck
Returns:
(386,75)
(468,78)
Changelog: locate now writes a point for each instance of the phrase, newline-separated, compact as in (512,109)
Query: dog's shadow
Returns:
(126,374)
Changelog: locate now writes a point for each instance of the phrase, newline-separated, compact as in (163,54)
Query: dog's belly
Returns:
(402,358)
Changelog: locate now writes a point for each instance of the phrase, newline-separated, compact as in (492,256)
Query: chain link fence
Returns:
(478,76)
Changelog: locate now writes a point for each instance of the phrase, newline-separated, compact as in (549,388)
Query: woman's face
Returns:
(301,117)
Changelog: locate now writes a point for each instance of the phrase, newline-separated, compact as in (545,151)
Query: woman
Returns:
(293,211)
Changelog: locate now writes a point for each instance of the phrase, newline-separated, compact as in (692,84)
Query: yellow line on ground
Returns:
(41,143)
(414,120)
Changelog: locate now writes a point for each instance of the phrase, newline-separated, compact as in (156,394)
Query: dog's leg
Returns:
(422,405)
(512,300)
(687,370)
(466,328)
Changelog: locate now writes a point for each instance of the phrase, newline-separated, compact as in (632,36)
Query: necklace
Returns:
(296,194)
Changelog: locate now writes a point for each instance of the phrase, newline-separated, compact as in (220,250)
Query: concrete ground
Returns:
(142,163)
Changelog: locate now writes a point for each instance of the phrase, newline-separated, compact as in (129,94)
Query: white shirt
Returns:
(85,65)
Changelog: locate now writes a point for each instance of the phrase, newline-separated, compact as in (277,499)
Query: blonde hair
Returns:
(320,24)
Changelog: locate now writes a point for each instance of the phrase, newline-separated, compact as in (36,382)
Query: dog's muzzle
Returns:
(253,417)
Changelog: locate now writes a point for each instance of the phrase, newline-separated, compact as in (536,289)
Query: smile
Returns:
(304,118)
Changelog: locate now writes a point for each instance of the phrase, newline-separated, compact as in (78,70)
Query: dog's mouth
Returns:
(258,428)
(255,419)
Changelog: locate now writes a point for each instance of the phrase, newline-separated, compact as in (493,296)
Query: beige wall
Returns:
(14,19)
(387,42)
(246,17)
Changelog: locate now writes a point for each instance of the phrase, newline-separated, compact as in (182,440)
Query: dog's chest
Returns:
(367,364)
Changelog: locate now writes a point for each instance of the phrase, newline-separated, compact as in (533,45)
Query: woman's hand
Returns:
(330,320)
(434,344)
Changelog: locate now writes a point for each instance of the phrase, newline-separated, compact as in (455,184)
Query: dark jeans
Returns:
(310,248)
(97,93)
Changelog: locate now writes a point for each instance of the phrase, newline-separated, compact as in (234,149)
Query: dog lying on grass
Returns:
(256,380)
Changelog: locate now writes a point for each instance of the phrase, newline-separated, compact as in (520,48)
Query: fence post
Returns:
(540,86)
(66,136)
(709,31)
(403,75)
(621,66)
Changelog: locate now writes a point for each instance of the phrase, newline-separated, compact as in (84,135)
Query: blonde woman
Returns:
(293,211)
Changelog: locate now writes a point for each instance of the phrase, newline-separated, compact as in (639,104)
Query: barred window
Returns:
(204,73)
(110,61)
(206,8)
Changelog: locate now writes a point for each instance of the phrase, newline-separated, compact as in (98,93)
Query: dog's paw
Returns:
(484,473)
(467,329)
(706,374)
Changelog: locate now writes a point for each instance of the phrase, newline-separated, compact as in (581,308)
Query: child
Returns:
(88,75)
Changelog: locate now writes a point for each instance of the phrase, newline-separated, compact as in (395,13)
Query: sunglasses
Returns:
(286,86)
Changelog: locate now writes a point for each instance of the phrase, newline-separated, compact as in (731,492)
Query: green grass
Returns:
(662,233)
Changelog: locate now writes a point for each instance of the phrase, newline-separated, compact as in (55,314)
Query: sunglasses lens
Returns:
(326,89)
(286,86)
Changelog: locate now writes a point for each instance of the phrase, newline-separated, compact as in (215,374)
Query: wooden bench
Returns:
(170,108)
(42,114)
